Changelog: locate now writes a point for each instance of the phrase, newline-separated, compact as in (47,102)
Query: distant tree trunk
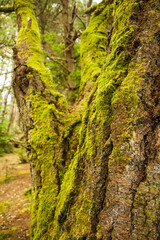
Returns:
(2,89)
(17,120)
(11,113)
(68,26)
(95,167)
(88,4)
(4,106)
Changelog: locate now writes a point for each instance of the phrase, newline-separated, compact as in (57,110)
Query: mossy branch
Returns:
(91,9)
(7,9)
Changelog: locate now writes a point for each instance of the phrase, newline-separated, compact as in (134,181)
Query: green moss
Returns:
(29,41)
(99,232)
(93,48)
(91,9)
(115,66)
(64,237)
(128,94)
(44,140)
(82,217)
(69,189)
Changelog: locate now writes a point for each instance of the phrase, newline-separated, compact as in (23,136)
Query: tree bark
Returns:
(96,175)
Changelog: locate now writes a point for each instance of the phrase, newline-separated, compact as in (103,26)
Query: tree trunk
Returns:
(88,4)
(68,39)
(43,112)
(95,176)
(17,120)
(4,106)
(11,114)
(2,89)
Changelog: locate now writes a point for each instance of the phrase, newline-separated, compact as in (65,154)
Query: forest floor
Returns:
(15,198)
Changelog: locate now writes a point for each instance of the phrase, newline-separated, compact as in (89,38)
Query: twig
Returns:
(81,21)
(53,59)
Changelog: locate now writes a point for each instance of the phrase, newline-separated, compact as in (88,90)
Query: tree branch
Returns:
(81,21)
(7,9)
(42,11)
(89,3)
(56,61)
(91,9)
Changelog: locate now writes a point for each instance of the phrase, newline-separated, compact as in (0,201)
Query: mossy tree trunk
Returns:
(95,167)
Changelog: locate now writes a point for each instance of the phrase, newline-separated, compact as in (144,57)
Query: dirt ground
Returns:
(14,199)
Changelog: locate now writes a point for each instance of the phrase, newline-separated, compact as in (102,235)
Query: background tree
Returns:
(60,42)
(88,5)
(7,40)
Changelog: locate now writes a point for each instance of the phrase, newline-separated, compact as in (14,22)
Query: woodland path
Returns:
(14,204)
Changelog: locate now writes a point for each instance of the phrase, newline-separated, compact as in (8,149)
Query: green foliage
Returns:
(50,22)
(54,59)
(56,42)
(8,31)
(5,145)
(5,235)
